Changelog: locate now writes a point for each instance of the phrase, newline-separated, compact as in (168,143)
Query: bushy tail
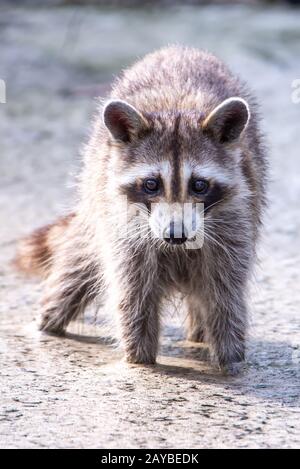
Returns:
(35,252)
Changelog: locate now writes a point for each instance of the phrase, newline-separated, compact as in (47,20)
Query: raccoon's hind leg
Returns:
(195,320)
(68,293)
(72,284)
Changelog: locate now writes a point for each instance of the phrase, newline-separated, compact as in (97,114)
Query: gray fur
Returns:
(174,91)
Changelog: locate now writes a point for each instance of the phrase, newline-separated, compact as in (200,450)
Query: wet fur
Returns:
(175,90)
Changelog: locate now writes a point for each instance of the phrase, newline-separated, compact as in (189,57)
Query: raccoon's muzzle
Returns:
(175,234)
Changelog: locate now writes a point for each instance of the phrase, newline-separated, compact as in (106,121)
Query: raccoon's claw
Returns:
(140,359)
(51,326)
(233,369)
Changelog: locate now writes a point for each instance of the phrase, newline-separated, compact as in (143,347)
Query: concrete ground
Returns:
(76,391)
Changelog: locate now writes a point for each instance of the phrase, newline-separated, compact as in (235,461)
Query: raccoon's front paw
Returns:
(140,358)
(51,324)
(233,369)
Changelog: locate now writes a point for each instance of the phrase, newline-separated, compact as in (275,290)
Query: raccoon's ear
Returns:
(228,120)
(122,120)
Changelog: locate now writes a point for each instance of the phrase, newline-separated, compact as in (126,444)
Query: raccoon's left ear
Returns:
(122,120)
(228,120)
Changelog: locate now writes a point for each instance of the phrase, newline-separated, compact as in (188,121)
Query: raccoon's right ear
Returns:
(122,120)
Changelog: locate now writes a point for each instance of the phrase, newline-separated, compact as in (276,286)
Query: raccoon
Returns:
(179,129)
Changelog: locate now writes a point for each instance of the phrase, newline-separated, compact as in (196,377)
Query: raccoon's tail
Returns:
(35,252)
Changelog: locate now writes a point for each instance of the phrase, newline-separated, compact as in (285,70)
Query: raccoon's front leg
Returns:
(139,319)
(136,295)
(70,287)
(226,323)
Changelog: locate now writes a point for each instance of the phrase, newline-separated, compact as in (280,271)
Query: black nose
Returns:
(174,234)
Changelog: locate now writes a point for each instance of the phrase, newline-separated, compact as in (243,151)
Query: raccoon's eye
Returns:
(151,185)
(199,186)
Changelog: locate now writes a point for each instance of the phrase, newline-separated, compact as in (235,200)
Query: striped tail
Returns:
(35,252)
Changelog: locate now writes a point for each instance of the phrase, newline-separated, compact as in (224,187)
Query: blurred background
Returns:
(56,57)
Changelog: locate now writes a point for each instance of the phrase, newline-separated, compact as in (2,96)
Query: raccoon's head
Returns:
(180,167)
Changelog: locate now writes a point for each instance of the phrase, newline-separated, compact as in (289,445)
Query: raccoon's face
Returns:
(178,168)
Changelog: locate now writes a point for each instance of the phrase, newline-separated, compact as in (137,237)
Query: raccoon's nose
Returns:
(174,234)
